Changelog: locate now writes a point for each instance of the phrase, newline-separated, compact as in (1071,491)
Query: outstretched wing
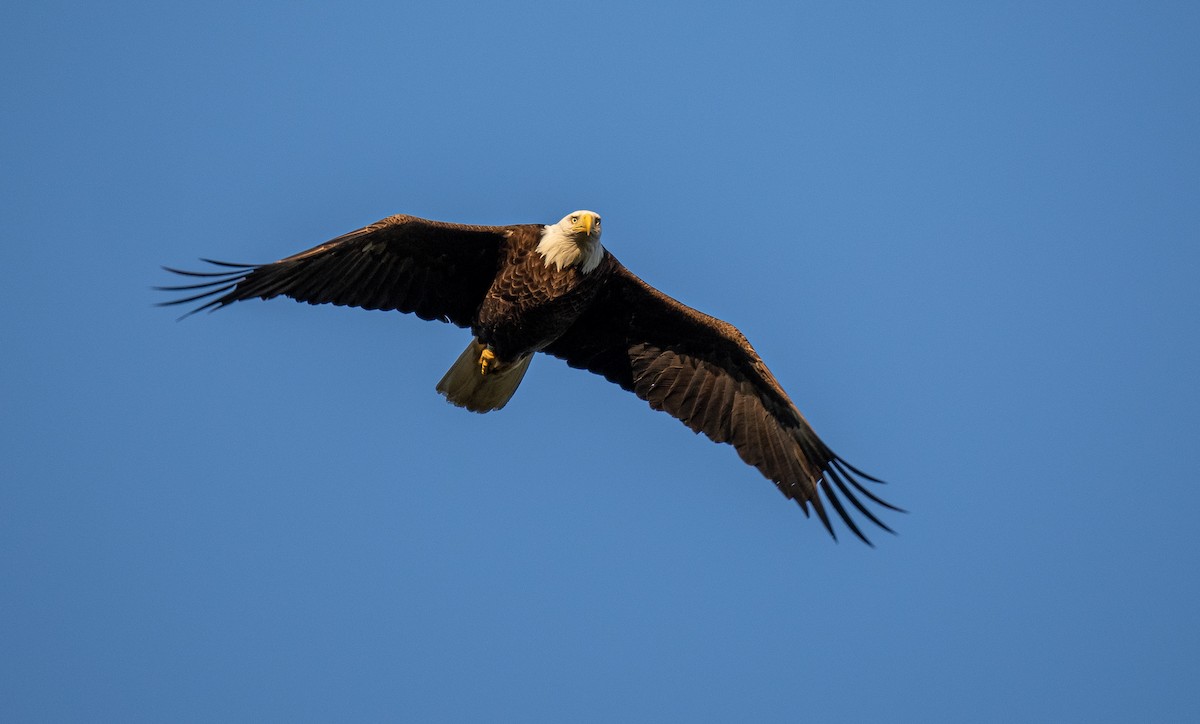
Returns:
(432,269)
(702,371)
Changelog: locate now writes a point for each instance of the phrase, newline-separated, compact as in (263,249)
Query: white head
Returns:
(575,239)
(581,225)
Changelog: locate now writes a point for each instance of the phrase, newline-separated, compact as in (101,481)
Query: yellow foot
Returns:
(486,359)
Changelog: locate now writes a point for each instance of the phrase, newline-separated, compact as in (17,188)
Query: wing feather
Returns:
(432,269)
(687,396)
(704,372)
(715,418)
(695,400)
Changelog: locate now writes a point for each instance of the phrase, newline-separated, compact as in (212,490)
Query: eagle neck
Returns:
(562,251)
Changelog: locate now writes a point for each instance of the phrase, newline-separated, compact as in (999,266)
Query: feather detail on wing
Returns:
(704,372)
(432,269)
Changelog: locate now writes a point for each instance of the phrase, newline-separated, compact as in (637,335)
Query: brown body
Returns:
(529,304)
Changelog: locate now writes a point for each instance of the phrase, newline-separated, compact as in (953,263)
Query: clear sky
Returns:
(963,235)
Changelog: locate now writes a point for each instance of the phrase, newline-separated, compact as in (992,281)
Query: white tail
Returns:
(466,386)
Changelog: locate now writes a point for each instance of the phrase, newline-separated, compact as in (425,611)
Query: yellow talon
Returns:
(486,359)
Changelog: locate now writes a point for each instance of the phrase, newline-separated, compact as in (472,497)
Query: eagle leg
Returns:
(480,381)
(487,360)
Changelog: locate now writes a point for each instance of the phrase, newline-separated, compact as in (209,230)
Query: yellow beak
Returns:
(586,223)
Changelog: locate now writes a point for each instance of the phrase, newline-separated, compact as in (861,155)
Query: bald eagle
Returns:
(554,288)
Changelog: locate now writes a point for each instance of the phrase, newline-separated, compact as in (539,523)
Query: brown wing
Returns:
(703,372)
(433,269)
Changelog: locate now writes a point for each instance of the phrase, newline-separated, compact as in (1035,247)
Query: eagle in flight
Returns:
(554,288)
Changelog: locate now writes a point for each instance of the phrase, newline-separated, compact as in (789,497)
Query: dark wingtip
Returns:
(847,466)
(216,284)
(837,464)
(817,506)
(841,485)
(187,273)
(232,265)
(196,297)
(832,497)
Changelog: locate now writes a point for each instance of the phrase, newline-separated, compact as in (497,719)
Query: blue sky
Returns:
(963,237)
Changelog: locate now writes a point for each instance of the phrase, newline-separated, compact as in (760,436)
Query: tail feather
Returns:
(466,386)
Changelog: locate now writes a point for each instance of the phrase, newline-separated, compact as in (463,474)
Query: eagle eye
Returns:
(574,219)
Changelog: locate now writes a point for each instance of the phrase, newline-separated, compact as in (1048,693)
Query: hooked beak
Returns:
(587,222)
